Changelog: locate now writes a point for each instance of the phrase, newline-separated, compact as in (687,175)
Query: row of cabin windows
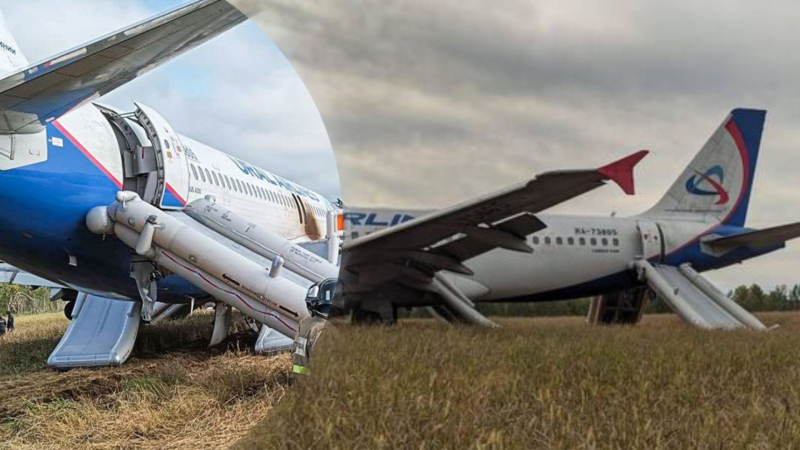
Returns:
(548,240)
(581,241)
(233,184)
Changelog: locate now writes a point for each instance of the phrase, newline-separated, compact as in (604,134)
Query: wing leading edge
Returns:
(443,240)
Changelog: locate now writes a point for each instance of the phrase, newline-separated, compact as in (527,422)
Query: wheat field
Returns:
(534,383)
(545,383)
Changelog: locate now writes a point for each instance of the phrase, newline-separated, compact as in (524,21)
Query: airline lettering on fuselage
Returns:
(373,220)
(189,153)
(253,171)
(8,48)
(584,231)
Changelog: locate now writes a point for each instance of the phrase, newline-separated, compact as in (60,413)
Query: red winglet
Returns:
(621,172)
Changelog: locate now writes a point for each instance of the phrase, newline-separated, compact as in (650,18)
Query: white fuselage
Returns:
(573,256)
(252,195)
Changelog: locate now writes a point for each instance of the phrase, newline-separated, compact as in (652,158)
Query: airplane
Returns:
(499,248)
(71,168)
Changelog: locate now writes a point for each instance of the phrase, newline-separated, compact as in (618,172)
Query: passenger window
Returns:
(605,242)
(535,240)
(616,242)
(208,175)
(581,241)
(239,183)
(194,171)
(593,242)
(216,180)
(559,241)
(202,175)
(571,241)
(547,240)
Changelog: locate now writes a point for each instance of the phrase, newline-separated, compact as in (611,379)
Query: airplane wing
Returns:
(32,97)
(757,239)
(443,240)
(11,275)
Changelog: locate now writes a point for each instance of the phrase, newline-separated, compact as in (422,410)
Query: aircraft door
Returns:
(652,241)
(172,188)
(301,211)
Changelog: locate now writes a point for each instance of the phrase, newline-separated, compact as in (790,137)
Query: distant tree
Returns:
(26,300)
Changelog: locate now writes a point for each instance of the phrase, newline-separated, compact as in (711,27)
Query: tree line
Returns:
(753,298)
(25,300)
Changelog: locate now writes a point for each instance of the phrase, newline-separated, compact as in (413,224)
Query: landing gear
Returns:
(71,297)
(146,277)
(620,308)
(387,315)
(68,308)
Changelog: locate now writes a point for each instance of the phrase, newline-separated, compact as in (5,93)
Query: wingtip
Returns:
(621,171)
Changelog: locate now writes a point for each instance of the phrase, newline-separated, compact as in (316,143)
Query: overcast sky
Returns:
(237,93)
(430,103)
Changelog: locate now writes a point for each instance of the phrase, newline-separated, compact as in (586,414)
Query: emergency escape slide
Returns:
(695,299)
(258,272)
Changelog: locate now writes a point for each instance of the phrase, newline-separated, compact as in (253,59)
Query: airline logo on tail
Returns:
(709,183)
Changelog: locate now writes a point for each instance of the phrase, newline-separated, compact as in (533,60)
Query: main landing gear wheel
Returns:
(68,309)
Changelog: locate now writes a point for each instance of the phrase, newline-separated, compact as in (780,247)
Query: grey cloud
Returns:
(429,103)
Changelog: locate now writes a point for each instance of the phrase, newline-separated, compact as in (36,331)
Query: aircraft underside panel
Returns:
(102,333)
(694,298)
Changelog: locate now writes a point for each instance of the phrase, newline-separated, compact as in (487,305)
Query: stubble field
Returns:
(534,383)
(546,383)
(173,392)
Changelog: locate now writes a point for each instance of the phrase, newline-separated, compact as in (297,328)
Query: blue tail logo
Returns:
(706,184)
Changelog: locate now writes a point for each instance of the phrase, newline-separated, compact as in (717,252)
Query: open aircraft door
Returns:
(651,240)
(173,187)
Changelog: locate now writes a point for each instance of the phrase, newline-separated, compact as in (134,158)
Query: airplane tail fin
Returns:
(716,185)
(11,57)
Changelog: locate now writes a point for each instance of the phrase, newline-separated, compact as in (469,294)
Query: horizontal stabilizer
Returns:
(757,239)
(35,96)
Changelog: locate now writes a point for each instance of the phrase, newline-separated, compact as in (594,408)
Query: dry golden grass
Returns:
(535,383)
(168,399)
(545,383)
